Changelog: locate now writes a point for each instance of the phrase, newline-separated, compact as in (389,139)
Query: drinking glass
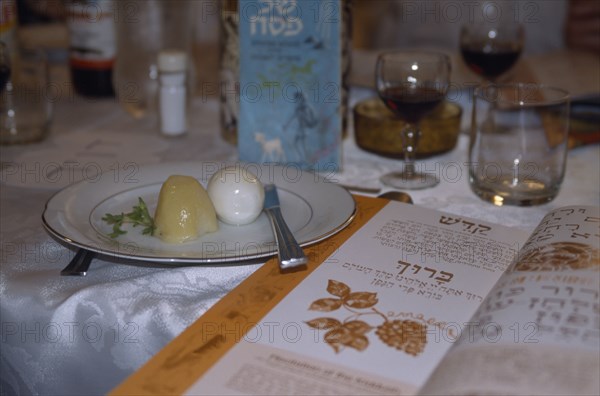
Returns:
(518,143)
(491,49)
(25,108)
(411,84)
(145,28)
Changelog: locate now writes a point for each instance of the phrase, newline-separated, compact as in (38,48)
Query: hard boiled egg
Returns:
(237,194)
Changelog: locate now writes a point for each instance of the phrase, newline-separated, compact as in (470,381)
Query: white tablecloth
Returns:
(84,335)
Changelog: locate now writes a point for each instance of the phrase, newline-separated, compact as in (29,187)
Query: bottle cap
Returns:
(172,61)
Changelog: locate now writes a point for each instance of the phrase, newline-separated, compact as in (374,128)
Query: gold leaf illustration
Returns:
(326,304)
(361,299)
(404,335)
(342,336)
(358,326)
(359,342)
(337,288)
(260,294)
(560,256)
(337,347)
(337,338)
(324,323)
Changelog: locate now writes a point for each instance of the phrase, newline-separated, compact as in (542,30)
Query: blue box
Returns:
(291,83)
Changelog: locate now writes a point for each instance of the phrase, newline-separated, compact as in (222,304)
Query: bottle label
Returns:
(8,23)
(92,33)
(8,16)
(291,83)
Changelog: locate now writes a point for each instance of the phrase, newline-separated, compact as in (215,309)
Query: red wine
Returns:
(92,46)
(92,82)
(4,76)
(411,104)
(491,63)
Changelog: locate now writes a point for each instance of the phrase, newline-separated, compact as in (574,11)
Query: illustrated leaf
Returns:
(339,289)
(359,342)
(337,347)
(358,326)
(344,337)
(326,304)
(324,323)
(339,335)
(361,299)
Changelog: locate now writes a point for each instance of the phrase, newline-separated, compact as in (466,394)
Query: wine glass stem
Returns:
(410,138)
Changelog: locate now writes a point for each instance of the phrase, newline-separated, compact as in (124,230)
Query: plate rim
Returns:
(187,260)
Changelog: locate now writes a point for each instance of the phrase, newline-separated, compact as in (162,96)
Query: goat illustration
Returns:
(272,151)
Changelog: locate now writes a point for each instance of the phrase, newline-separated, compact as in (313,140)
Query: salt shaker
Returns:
(172,101)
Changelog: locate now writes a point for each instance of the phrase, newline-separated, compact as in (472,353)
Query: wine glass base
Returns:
(413,181)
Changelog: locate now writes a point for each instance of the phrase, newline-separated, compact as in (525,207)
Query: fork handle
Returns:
(290,253)
(79,264)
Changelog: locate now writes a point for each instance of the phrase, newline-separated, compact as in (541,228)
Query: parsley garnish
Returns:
(138,217)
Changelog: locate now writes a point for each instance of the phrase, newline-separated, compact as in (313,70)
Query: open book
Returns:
(420,301)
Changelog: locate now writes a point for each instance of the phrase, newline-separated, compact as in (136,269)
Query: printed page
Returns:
(540,326)
(378,315)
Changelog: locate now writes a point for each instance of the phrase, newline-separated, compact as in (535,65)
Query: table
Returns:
(72,335)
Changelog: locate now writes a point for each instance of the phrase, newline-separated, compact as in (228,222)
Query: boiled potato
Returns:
(184,211)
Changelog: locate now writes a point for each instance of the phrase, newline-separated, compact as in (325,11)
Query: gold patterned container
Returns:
(377,130)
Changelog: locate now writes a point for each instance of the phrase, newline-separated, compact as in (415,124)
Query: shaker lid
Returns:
(172,60)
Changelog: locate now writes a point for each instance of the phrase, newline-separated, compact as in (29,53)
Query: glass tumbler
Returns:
(518,143)
(144,28)
(25,100)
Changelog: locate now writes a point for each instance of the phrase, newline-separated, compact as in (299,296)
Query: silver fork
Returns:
(80,264)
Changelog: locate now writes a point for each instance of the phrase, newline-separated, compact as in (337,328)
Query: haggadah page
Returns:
(378,315)
(543,318)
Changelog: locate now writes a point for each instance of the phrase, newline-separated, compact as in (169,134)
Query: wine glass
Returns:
(491,49)
(411,84)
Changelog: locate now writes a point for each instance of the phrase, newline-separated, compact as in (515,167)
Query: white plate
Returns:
(313,208)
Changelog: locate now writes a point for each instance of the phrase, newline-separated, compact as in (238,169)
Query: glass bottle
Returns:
(229,67)
(92,46)
(144,28)
(8,25)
